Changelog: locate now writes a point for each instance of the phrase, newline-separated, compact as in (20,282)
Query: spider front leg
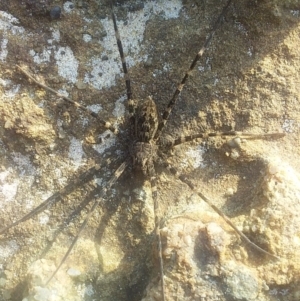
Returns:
(104,123)
(181,85)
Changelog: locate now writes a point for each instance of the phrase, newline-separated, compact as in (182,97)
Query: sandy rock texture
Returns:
(248,80)
(205,259)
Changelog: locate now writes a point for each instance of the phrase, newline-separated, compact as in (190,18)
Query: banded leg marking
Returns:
(106,124)
(242,135)
(218,211)
(97,201)
(83,178)
(131,103)
(173,100)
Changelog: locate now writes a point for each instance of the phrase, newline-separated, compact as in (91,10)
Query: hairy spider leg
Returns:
(180,87)
(97,201)
(82,179)
(104,123)
(248,136)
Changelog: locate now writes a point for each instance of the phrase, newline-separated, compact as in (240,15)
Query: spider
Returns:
(147,169)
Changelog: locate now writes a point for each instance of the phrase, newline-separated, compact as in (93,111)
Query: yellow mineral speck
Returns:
(41,93)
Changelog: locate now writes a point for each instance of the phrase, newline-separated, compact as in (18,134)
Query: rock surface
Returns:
(248,80)
(203,258)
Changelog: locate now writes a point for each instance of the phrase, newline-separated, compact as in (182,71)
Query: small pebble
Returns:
(148,63)
(55,12)
(81,85)
(230,191)
(274,168)
(73,272)
(235,142)
(234,154)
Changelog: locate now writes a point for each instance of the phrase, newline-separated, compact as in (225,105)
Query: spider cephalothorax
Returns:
(143,149)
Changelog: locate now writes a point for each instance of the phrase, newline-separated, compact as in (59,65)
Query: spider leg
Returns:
(132,105)
(248,136)
(180,87)
(97,201)
(106,124)
(185,180)
(152,174)
(82,179)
